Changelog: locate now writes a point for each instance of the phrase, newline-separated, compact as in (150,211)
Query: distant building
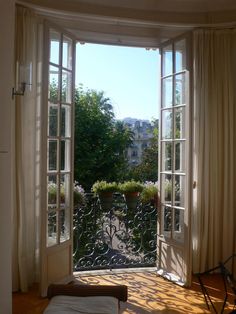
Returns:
(143,133)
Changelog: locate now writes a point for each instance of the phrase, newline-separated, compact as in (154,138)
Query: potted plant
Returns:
(79,195)
(168,190)
(52,194)
(150,193)
(131,190)
(105,191)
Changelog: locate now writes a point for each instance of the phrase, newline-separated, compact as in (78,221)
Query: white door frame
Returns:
(174,248)
(56,264)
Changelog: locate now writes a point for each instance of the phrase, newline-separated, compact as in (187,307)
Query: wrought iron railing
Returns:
(117,237)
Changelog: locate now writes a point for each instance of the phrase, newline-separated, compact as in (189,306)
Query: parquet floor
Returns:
(148,293)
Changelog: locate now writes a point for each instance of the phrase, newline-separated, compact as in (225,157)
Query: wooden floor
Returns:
(148,293)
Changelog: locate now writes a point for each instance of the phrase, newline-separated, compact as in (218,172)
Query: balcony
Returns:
(114,235)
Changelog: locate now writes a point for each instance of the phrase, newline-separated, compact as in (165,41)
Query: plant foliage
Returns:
(103,186)
(100,140)
(130,186)
(149,192)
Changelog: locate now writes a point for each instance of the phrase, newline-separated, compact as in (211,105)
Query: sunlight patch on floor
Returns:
(149,293)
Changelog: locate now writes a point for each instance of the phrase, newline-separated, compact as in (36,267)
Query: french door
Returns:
(57,157)
(173,241)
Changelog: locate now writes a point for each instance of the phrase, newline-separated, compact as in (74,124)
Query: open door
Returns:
(57,157)
(173,240)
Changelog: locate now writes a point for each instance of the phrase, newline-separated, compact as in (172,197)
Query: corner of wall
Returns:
(7,26)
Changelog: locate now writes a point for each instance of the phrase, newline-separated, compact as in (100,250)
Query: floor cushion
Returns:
(83,305)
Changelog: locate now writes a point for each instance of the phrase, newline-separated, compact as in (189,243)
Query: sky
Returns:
(128,76)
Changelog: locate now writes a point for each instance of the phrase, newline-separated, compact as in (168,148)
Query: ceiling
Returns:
(167,5)
(145,23)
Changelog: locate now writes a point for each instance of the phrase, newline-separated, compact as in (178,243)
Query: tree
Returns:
(100,140)
(147,170)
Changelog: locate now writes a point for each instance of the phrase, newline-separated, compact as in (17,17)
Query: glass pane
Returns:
(66,87)
(167,60)
(166,188)
(52,191)
(167,219)
(179,123)
(179,192)
(178,232)
(65,121)
(64,221)
(167,156)
(52,155)
(52,120)
(180,157)
(62,195)
(167,124)
(180,89)
(67,53)
(55,39)
(180,55)
(65,191)
(53,88)
(52,228)
(167,92)
(65,155)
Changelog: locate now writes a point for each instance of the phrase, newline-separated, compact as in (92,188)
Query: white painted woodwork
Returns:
(134,23)
(173,236)
(56,251)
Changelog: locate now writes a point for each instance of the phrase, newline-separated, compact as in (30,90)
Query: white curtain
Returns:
(26,214)
(214,211)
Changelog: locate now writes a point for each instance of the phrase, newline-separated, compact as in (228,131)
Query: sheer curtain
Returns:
(214,211)
(27,110)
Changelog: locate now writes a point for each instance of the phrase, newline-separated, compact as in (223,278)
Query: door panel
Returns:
(173,241)
(57,154)
(172,259)
(57,271)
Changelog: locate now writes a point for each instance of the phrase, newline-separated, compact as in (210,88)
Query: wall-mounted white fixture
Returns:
(23,78)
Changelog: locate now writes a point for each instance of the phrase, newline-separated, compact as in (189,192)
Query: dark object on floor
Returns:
(228,281)
(120,292)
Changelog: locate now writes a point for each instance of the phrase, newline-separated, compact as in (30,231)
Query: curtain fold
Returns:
(214,216)
(25,217)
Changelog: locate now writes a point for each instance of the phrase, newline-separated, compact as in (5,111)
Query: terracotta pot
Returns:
(106,199)
(131,199)
(156,201)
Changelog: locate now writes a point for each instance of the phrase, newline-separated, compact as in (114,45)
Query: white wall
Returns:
(7,20)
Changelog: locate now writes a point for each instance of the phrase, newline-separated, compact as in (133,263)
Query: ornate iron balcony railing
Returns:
(115,235)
